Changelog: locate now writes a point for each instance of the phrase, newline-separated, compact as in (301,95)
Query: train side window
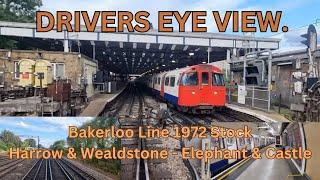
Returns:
(166,83)
(172,81)
(159,80)
(229,141)
(217,79)
(215,142)
(222,145)
(189,79)
(205,78)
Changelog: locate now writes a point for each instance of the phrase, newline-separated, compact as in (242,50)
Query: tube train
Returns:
(219,165)
(195,89)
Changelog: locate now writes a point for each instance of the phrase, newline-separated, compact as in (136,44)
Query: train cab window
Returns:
(166,82)
(205,78)
(217,79)
(189,79)
(158,80)
(172,81)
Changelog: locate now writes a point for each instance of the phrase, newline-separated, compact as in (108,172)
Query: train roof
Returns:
(214,68)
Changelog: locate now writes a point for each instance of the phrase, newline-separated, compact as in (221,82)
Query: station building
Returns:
(76,68)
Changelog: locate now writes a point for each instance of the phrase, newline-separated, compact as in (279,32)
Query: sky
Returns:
(49,129)
(296,13)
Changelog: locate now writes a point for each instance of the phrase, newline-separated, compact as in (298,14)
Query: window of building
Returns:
(58,70)
(16,70)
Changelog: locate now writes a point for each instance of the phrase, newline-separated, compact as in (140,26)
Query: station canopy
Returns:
(137,53)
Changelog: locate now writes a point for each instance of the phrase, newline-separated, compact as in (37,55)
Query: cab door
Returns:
(205,87)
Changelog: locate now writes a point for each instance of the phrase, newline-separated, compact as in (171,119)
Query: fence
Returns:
(251,96)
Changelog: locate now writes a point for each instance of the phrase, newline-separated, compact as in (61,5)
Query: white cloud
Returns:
(23,124)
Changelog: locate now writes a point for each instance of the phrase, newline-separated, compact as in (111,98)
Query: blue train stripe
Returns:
(218,166)
(171,98)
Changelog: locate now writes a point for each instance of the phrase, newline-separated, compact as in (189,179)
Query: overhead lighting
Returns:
(163,65)
(173,61)
(191,53)
(203,62)
(185,48)
(160,46)
(173,47)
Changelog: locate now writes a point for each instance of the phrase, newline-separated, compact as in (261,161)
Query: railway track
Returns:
(130,116)
(49,169)
(130,110)
(8,166)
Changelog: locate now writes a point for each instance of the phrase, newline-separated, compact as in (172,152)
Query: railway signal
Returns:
(310,38)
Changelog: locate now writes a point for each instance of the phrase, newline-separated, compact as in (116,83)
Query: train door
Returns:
(278,141)
(218,89)
(162,85)
(205,87)
(232,145)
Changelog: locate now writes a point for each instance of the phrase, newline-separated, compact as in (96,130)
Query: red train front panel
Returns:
(202,86)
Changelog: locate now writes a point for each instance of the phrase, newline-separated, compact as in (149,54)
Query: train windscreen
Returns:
(217,79)
(189,79)
(205,78)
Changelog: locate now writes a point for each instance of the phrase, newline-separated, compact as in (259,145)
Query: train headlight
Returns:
(193,92)
(215,92)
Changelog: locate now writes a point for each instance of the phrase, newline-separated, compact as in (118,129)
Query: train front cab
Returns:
(202,88)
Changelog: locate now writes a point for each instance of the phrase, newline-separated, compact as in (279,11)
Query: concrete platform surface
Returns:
(266,169)
(263,115)
(96,106)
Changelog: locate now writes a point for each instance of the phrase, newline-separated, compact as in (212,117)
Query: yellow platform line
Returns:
(233,169)
(293,175)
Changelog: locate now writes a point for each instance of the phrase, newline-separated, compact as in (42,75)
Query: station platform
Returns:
(98,103)
(263,115)
(264,169)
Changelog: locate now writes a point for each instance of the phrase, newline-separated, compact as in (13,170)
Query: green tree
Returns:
(59,145)
(10,139)
(3,146)
(31,142)
(17,11)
